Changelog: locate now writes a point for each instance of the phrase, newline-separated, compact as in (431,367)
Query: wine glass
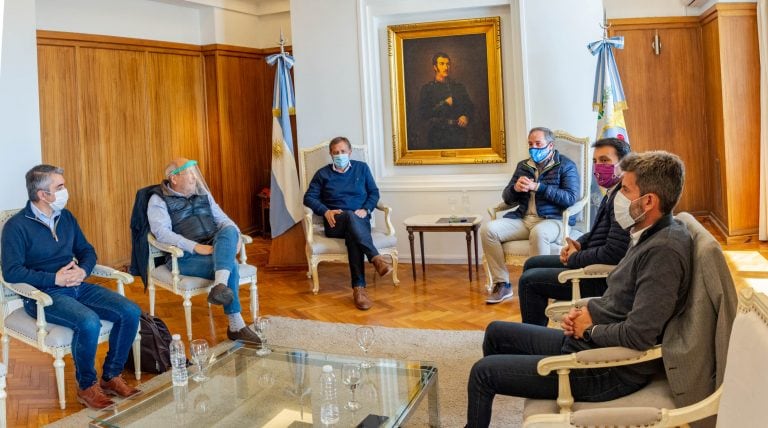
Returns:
(350,376)
(365,338)
(200,352)
(262,325)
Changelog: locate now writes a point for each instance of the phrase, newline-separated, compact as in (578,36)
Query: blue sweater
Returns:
(559,188)
(32,253)
(348,191)
(607,242)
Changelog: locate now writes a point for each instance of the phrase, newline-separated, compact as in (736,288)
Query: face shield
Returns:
(188,180)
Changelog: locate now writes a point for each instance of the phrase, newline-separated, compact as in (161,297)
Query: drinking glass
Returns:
(262,325)
(350,376)
(200,353)
(365,338)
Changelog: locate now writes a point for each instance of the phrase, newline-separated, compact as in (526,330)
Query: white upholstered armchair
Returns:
(577,150)
(46,337)
(188,286)
(320,248)
(712,293)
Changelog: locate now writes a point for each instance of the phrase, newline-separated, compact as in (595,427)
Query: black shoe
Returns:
(245,334)
(220,294)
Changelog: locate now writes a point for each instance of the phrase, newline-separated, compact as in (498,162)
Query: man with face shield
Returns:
(645,291)
(542,187)
(605,243)
(344,194)
(43,246)
(182,212)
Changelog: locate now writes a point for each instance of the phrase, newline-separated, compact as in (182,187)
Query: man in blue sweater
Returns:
(542,187)
(646,290)
(43,246)
(606,243)
(344,194)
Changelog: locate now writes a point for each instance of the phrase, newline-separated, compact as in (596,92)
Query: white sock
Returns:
(236,322)
(221,276)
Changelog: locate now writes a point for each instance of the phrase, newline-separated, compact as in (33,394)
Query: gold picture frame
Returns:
(446,88)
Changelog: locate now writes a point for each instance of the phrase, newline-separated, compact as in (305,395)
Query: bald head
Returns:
(176,163)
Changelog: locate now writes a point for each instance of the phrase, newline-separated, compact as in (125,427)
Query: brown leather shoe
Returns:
(94,397)
(220,294)
(118,386)
(382,267)
(362,301)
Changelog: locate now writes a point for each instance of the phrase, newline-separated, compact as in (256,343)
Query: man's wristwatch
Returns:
(587,334)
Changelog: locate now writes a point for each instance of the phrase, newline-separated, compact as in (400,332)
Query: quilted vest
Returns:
(191,217)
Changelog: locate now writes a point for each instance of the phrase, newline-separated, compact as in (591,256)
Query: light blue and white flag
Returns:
(608,97)
(285,206)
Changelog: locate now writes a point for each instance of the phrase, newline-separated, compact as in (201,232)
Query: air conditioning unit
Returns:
(693,3)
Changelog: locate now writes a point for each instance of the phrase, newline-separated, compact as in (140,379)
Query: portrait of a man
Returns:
(446,88)
(445,107)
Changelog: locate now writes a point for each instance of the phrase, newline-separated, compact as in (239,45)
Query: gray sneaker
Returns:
(501,292)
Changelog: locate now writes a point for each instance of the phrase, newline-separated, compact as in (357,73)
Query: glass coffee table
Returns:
(279,390)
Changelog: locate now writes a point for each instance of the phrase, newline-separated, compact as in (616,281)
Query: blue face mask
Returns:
(341,161)
(538,154)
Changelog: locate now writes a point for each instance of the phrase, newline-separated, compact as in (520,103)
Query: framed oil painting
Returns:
(447,98)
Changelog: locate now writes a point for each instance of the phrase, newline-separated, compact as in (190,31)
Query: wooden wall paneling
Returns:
(176,105)
(213,120)
(666,98)
(115,121)
(714,114)
(59,116)
(740,69)
(242,145)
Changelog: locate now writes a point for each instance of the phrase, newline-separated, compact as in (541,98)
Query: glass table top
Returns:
(277,390)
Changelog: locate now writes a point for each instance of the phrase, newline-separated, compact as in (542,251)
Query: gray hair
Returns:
(658,172)
(549,136)
(39,178)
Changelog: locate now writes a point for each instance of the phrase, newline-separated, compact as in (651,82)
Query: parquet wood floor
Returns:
(444,300)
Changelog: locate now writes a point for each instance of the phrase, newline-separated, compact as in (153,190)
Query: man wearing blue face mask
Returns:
(42,245)
(542,187)
(344,194)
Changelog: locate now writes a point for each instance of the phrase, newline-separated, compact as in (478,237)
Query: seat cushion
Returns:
(163,275)
(655,394)
(58,336)
(324,245)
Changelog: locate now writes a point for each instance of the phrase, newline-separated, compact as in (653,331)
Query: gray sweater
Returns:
(647,288)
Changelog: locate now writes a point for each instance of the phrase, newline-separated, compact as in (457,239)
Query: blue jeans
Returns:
(539,283)
(511,352)
(81,308)
(223,258)
(356,232)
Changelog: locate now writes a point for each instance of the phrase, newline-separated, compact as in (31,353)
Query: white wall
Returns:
(341,60)
(648,8)
(143,19)
(19,113)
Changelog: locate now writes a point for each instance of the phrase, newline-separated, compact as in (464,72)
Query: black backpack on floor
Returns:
(155,346)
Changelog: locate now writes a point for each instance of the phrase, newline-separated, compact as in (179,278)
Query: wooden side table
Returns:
(443,223)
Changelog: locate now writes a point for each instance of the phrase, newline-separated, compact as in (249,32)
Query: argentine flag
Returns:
(285,206)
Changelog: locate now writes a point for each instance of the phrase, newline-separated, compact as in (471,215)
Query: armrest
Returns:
(387,217)
(29,292)
(108,272)
(595,358)
(243,255)
(172,249)
(591,271)
(568,212)
(246,239)
(308,229)
(502,206)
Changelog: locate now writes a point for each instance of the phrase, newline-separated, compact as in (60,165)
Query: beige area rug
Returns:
(453,351)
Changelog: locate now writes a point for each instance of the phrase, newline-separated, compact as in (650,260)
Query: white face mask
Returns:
(62,196)
(621,210)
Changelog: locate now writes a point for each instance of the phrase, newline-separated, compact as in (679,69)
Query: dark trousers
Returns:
(539,283)
(511,353)
(356,233)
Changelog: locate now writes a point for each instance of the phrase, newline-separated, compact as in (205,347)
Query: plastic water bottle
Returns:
(329,407)
(178,361)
